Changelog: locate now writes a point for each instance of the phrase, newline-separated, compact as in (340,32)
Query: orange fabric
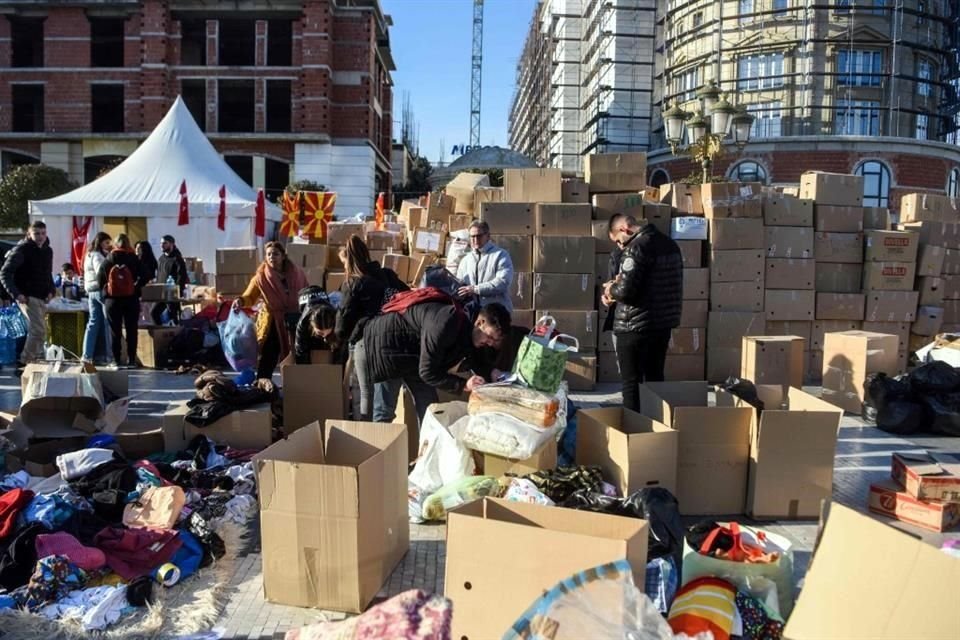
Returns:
(278,300)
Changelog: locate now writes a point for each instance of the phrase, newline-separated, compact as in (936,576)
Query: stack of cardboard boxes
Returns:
(923,490)
(888,284)
(235,268)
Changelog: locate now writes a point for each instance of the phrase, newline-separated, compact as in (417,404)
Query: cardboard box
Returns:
(840,306)
(598,228)
(521,290)
(839,219)
(333,513)
(520,248)
(696,284)
(889,276)
(928,322)
(815,367)
(685,341)
(951,314)
(736,296)
(659,215)
(791,328)
(692,252)
(231,285)
(876,218)
(891,306)
(606,341)
(543,458)
(684,367)
(40,459)
(689,228)
(582,325)
(615,171)
(432,241)
(722,362)
(563,219)
(916,207)
(522,318)
(608,368)
(249,428)
(308,255)
(333,280)
(928,475)
(848,358)
(822,327)
(483,195)
(153,345)
(695,313)
(52,397)
(574,191)
(736,233)
(554,543)
(889,499)
(790,273)
(393,241)
(607,204)
(773,360)
(784,211)
(951,262)
(153,292)
(891,246)
(563,254)
(563,291)
(338,233)
(930,260)
(738,265)
(532,185)
(461,188)
(580,372)
(943,234)
(789,242)
(789,304)
(731,200)
(714,445)
(401,265)
(838,277)
(458,222)
(787,480)
(238,260)
(836,189)
(951,287)
(838,247)
(633,451)
(725,329)
(311,393)
(899,329)
(685,198)
(509,218)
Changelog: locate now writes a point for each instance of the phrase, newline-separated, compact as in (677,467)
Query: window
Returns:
(238,43)
(748,171)
(953,183)
(280,43)
(697,19)
(106,42)
(685,84)
(858,68)
(780,6)
(194,93)
(242,166)
(763,71)
(27,107)
(876,183)
(236,111)
(746,9)
(94,166)
(921,9)
(276,178)
(922,120)
(106,108)
(278,106)
(858,118)
(925,73)
(659,177)
(193,43)
(766,122)
(26,41)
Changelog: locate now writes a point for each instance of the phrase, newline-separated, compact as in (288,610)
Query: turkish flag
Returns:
(260,224)
(184,205)
(222,218)
(81,229)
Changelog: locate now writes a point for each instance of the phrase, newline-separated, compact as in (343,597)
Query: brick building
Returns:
(285,89)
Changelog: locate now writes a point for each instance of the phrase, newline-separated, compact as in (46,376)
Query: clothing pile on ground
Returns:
(219,395)
(92,543)
(925,400)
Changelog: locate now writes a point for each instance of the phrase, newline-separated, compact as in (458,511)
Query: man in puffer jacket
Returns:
(170,264)
(27,275)
(649,296)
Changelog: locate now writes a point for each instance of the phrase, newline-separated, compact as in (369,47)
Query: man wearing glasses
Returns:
(486,271)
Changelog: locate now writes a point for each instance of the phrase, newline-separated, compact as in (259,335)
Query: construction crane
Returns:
(475,75)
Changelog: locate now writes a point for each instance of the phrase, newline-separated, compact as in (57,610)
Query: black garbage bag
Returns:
(743,389)
(879,390)
(934,377)
(944,413)
(900,417)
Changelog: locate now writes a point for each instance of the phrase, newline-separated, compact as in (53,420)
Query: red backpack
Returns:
(121,282)
(405,299)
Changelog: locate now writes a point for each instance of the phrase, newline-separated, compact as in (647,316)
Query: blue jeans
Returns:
(98,332)
(386,394)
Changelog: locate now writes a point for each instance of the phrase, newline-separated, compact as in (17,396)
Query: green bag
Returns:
(542,360)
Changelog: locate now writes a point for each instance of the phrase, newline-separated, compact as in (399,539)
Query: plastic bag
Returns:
(460,492)
(441,459)
(238,336)
(13,320)
(934,377)
(533,407)
(743,389)
(944,413)
(438,277)
(522,490)
(458,244)
(501,435)
(415,499)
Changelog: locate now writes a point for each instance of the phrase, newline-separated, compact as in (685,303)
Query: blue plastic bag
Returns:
(238,337)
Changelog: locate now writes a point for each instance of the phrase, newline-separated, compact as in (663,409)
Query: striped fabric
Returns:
(705,604)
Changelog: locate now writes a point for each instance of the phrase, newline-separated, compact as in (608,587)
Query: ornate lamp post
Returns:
(707,128)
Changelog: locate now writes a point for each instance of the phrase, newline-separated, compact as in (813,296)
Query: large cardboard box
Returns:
(575,191)
(773,360)
(483,195)
(696,284)
(951,314)
(891,306)
(582,325)
(311,393)
(685,198)
(891,246)
(231,284)
(737,233)
(659,215)
(598,228)
(791,328)
(509,218)
(951,262)
(40,459)
(633,451)
(738,265)
(306,255)
(838,277)
(899,329)
(687,341)
(333,513)
(563,254)
(822,327)
(731,200)
(520,248)
(692,252)
(786,211)
(722,362)
(928,322)
(840,306)
(581,372)
(727,328)
(943,234)
(842,190)
(429,241)
(846,586)
(928,475)
(532,185)
(52,397)
(401,265)
(790,476)
(611,172)
(491,589)
(338,233)
(714,445)
(153,345)
(840,219)
(930,260)
(543,458)
(848,358)
(153,293)
(789,304)
(333,280)
(684,367)
(736,296)
(890,499)
(238,260)
(461,188)
(250,428)
(838,247)
(951,287)
(694,313)
(607,204)
(608,368)
(521,290)
(790,273)
(789,242)
(563,291)
(563,219)
(889,276)
(693,228)
(876,218)
(916,207)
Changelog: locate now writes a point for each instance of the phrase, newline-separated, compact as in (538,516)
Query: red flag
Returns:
(184,205)
(260,224)
(81,229)
(222,218)
(379,210)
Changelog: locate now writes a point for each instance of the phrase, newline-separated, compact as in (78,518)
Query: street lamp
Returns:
(707,128)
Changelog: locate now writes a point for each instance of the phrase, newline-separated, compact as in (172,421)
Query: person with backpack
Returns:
(170,265)
(27,275)
(367,287)
(418,338)
(97,328)
(121,278)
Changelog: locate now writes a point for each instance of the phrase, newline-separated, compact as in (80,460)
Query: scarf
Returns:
(279,299)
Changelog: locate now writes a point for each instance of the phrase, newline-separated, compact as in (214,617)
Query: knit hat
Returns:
(64,544)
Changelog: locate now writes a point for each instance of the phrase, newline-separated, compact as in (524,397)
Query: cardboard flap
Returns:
(925,463)
(357,442)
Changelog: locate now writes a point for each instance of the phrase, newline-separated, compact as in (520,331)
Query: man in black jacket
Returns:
(27,274)
(170,265)
(649,296)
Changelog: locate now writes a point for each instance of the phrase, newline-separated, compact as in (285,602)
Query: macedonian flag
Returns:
(290,203)
(317,211)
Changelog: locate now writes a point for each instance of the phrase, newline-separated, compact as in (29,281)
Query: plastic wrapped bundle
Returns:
(502,435)
(530,406)
(457,493)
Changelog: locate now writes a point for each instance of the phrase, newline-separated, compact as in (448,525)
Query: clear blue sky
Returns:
(431,43)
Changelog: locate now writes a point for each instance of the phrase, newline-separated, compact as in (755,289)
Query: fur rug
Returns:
(191,606)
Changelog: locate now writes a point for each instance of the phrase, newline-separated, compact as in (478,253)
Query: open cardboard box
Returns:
(249,428)
(311,392)
(62,401)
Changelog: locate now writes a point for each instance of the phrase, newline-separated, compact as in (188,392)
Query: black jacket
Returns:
(28,270)
(172,265)
(128,259)
(304,341)
(426,341)
(649,293)
(613,268)
(363,297)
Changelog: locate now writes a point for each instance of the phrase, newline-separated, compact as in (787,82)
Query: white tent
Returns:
(147,185)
